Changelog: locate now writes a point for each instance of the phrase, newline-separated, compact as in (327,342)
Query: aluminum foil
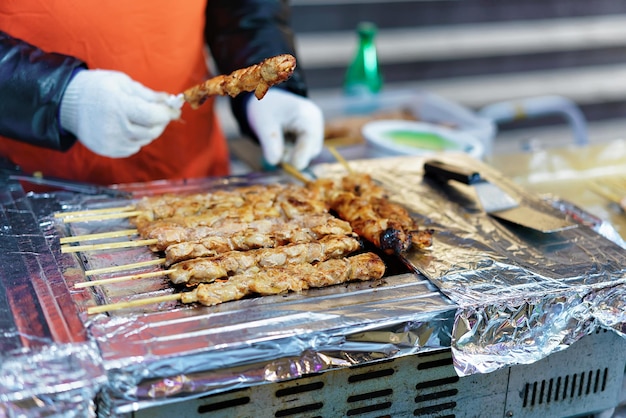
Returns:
(168,352)
(48,365)
(521,294)
(495,295)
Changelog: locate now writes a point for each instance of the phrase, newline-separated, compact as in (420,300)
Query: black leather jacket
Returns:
(239,33)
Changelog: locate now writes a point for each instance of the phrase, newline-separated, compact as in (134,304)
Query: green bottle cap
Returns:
(368,29)
(363,75)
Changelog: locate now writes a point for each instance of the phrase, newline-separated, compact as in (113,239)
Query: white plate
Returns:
(419,138)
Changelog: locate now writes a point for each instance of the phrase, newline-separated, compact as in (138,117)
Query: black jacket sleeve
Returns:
(32,83)
(241,33)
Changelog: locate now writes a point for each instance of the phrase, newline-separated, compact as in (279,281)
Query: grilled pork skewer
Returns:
(258,78)
(365,206)
(207,270)
(167,233)
(386,234)
(288,233)
(274,280)
(263,200)
(176,205)
(294,277)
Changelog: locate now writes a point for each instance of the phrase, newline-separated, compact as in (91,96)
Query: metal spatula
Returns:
(495,201)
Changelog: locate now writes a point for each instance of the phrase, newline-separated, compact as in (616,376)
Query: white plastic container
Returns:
(403,137)
(426,108)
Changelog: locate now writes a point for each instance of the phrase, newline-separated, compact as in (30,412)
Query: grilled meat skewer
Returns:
(168,233)
(364,204)
(287,233)
(208,269)
(294,277)
(257,200)
(258,78)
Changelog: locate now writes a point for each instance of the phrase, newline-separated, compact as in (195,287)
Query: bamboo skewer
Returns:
(340,158)
(113,269)
(607,193)
(291,170)
(119,279)
(107,246)
(134,303)
(102,235)
(104,216)
(89,212)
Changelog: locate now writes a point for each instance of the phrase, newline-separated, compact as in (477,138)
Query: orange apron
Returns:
(156,42)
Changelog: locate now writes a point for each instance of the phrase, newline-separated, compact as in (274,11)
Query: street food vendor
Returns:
(88,89)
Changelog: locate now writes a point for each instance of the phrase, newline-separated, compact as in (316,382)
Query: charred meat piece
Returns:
(358,200)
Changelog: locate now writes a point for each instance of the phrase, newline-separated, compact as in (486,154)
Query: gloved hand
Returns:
(280,112)
(113,115)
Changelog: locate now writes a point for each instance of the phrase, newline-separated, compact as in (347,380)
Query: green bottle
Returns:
(363,76)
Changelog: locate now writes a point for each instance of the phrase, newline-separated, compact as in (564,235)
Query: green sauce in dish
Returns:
(422,140)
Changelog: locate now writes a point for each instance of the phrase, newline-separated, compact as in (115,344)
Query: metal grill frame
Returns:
(426,385)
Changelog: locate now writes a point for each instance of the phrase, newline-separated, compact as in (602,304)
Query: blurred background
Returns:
(479,52)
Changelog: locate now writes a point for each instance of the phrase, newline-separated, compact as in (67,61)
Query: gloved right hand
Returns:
(113,115)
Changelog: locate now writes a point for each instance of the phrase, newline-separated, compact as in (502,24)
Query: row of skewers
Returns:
(257,240)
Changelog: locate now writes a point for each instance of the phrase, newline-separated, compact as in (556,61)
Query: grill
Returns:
(584,379)
(472,334)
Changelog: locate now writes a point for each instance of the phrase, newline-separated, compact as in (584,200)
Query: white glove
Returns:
(113,115)
(280,112)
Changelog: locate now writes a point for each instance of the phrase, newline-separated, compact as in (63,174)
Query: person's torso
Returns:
(158,43)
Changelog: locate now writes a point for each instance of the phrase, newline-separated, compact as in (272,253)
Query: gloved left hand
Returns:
(280,112)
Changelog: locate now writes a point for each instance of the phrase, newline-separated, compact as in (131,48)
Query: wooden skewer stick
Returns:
(133,303)
(102,235)
(107,246)
(113,269)
(119,279)
(104,216)
(600,189)
(340,158)
(291,170)
(89,212)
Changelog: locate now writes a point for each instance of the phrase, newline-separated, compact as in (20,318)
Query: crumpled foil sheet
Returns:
(521,294)
(59,380)
(168,352)
(495,295)
(48,366)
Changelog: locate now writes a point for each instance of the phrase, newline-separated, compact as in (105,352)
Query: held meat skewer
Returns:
(271,281)
(258,78)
